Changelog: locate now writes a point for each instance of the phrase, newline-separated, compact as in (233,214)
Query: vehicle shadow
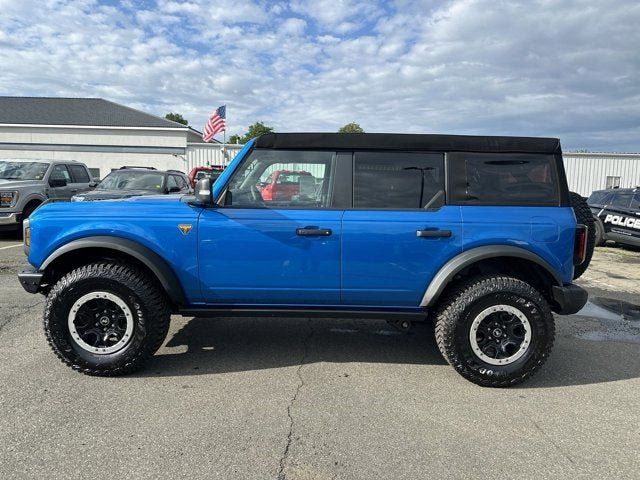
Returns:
(10,235)
(223,345)
(576,361)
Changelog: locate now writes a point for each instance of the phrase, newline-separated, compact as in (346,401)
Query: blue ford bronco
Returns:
(476,234)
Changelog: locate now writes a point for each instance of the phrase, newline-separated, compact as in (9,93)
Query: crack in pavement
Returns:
(547,437)
(285,454)
(28,307)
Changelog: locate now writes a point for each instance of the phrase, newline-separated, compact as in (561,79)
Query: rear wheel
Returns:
(584,217)
(105,319)
(599,241)
(495,331)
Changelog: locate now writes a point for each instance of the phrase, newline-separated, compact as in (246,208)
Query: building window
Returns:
(613,182)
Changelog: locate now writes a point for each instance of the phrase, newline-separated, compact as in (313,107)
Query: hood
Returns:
(110,194)
(145,207)
(17,184)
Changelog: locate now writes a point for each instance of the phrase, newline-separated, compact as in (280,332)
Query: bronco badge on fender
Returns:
(185,228)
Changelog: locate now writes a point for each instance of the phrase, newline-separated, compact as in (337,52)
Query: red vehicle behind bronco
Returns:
(282,185)
(212,172)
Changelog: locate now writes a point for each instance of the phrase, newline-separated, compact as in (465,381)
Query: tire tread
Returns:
(459,298)
(152,297)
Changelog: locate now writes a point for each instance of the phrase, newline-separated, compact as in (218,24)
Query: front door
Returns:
(255,251)
(399,231)
(60,192)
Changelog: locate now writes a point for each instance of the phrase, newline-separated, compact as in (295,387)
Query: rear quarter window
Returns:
(503,179)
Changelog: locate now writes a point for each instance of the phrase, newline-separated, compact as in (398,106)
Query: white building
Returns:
(102,134)
(587,172)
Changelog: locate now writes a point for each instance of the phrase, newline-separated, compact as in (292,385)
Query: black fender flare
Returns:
(154,262)
(449,270)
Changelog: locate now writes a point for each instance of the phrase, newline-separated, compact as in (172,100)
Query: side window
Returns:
(95,174)
(60,172)
(635,202)
(622,200)
(398,180)
(171,182)
(503,179)
(182,184)
(79,174)
(307,174)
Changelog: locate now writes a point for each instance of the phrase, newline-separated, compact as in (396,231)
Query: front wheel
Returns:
(495,331)
(106,318)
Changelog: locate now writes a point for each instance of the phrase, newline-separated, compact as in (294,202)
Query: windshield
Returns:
(131,180)
(22,170)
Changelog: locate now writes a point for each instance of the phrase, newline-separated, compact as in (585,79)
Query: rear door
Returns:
(80,179)
(399,230)
(283,252)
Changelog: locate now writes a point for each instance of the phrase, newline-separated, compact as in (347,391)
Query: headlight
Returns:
(8,199)
(26,235)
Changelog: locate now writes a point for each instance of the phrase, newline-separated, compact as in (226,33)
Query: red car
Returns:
(212,172)
(283,185)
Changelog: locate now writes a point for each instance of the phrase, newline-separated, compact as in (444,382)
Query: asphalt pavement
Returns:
(324,399)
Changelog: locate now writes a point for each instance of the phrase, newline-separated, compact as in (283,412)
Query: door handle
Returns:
(433,233)
(74,190)
(313,232)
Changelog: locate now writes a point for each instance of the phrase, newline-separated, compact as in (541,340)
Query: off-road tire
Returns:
(145,299)
(599,241)
(455,315)
(584,217)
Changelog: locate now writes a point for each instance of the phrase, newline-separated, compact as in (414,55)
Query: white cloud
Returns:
(554,67)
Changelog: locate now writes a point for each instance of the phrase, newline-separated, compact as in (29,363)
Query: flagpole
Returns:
(224,146)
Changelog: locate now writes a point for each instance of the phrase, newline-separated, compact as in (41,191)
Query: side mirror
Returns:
(57,182)
(203,192)
(174,190)
(93,184)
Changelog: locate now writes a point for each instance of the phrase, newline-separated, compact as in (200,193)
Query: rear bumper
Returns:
(569,299)
(30,280)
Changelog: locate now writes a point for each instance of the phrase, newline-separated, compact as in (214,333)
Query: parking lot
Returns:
(325,399)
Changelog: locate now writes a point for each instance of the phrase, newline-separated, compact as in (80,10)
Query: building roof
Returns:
(92,112)
(399,141)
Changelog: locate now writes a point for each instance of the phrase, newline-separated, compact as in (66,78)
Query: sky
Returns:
(561,68)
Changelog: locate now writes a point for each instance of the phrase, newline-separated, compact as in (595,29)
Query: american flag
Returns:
(216,124)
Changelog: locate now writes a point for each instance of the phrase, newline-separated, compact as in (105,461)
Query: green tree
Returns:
(176,117)
(352,127)
(255,130)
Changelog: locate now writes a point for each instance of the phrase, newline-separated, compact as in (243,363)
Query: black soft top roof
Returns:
(400,141)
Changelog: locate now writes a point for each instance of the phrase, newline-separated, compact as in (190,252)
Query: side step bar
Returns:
(416,316)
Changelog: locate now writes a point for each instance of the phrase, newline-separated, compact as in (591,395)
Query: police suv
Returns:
(617,215)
